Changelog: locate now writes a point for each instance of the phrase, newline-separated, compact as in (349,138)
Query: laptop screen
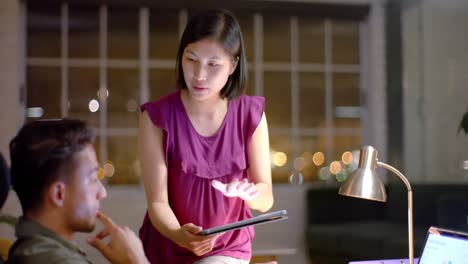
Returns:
(442,246)
(445,246)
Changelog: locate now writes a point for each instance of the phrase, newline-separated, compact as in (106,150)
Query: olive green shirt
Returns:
(37,245)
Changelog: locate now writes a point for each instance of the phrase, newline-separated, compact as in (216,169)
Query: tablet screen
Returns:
(260,219)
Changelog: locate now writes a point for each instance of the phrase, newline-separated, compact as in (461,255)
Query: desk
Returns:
(270,252)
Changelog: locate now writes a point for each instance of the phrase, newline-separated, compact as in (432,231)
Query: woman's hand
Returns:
(187,237)
(242,189)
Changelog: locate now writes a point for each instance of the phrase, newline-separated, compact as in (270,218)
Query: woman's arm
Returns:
(260,168)
(154,174)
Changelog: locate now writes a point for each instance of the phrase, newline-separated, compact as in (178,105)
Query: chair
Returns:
(4,180)
(5,243)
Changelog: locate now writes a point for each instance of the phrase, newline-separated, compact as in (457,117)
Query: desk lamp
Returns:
(364,183)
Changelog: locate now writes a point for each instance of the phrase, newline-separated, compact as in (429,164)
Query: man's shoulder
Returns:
(43,249)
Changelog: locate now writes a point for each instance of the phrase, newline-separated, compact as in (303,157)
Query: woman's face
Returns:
(206,66)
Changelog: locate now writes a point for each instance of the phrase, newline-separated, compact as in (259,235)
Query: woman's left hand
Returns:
(243,189)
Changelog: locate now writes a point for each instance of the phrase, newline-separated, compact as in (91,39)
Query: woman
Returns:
(204,150)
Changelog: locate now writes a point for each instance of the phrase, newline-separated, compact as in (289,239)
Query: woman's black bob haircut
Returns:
(219,25)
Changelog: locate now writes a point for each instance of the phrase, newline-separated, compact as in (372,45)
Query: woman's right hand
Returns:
(187,237)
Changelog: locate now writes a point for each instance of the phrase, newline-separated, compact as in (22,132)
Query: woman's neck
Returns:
(208,108)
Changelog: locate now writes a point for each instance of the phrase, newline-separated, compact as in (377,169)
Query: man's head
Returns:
(54,167)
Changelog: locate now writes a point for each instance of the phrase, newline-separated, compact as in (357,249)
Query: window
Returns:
(99,64)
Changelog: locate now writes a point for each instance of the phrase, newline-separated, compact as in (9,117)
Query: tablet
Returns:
(260,219)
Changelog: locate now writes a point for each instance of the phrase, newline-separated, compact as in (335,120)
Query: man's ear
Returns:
(56,193)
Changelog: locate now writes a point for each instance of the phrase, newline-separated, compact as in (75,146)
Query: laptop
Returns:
(441,246)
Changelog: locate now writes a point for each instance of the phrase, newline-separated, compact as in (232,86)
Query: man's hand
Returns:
(242,189)
(124,246)
(200,245)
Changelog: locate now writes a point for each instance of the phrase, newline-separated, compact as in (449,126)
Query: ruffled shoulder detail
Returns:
(159,111)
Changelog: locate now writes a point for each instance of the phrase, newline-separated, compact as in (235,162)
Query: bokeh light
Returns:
(93,105)
(100,173)
(109,169)
(341,177)
(296,178)
(132,105)
(104,94)
(347,157)
(324,173)
(318,158)
(279,159)
(335,167)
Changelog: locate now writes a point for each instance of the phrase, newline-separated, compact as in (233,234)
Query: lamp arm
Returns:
(410,207)
(397,172)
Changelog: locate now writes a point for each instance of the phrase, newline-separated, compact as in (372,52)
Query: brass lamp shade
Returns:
(365,184)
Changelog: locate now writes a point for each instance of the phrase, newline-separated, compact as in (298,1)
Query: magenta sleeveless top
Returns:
(193,161)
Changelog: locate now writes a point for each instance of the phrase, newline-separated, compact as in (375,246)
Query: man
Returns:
(54,173)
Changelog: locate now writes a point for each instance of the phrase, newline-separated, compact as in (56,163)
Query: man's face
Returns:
(83,192)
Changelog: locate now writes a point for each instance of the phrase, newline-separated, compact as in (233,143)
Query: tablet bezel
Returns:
(256,220)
